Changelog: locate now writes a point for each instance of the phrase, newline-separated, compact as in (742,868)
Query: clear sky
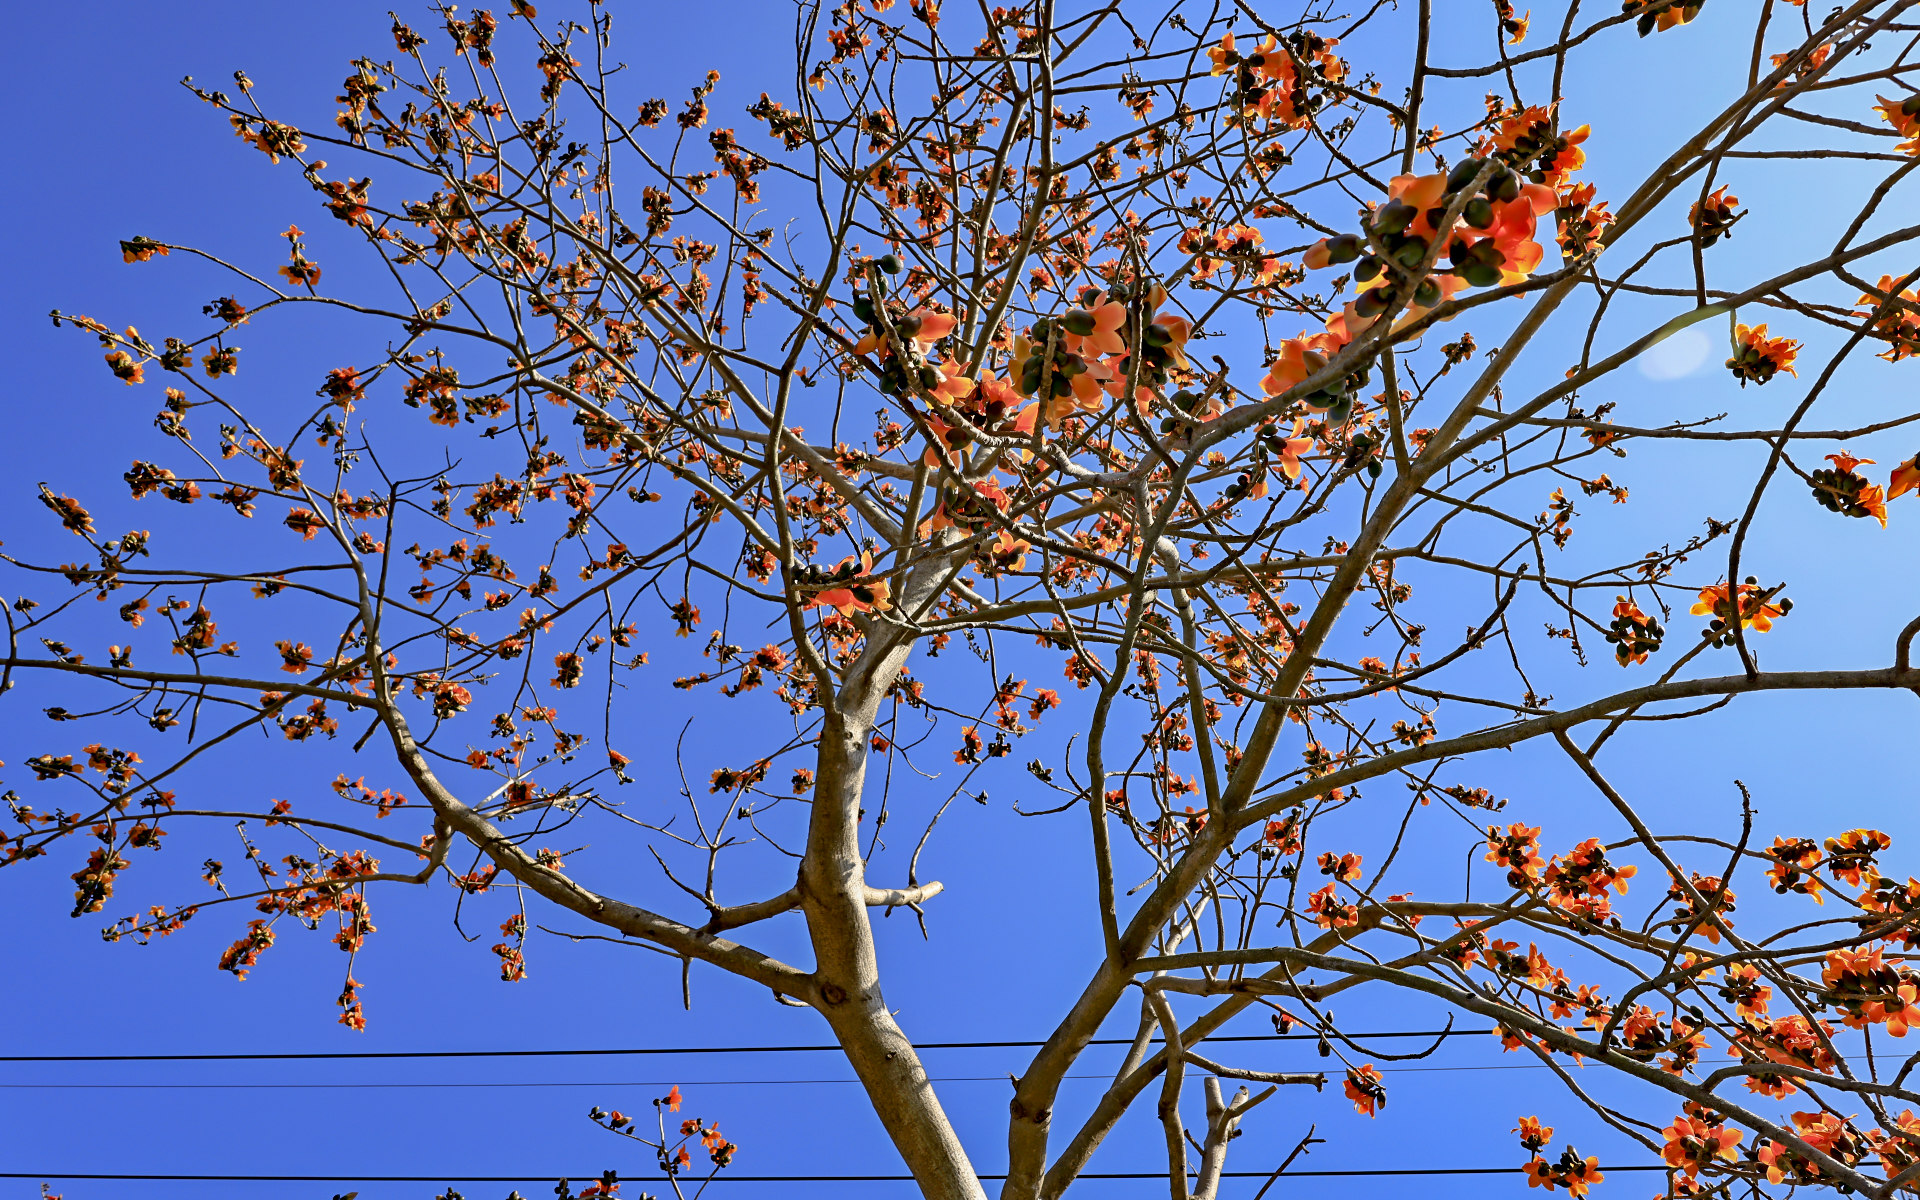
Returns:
(107,145)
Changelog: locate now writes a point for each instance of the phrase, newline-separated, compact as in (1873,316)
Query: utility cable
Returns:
(725,1178)
(1258,1037)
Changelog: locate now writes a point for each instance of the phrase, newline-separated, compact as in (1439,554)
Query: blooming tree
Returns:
(1115,350)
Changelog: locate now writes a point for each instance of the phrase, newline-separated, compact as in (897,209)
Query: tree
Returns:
(634,400)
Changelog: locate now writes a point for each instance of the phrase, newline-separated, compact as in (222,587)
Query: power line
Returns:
(650,1083)
(1259,1037)
(770,1178)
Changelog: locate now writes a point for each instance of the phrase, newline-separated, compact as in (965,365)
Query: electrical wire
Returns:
(660,1083)
(1258,1037)
(774,1178)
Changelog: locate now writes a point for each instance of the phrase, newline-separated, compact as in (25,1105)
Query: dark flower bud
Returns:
(1394,217)
(1462,174)
(1343,249)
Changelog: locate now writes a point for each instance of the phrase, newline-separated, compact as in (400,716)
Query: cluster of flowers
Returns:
(1076,361)
(1571,1171)
(1582,883)
(1517,175)
(1271,78)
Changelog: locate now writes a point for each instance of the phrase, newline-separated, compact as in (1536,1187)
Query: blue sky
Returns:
(109,146)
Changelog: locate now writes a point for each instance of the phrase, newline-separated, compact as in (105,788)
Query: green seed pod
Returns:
(1343,249)
(1078,321)
(890,263)
(1372,302)
(906,327)
(1184,400)
(1156,336)
(1478,213)
(1366,269)
(1462,173)
(1411,252)
(1480,274)
(1506,188)
(1041,329)
(1427,294)
(1394,217)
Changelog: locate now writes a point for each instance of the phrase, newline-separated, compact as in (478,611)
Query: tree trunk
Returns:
(847,973)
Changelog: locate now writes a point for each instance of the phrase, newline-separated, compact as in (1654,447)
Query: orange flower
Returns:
(1713,218)
(1178,330)
(1633,633)
(923,327)
(1904,116)
(1291,447)
(1843,491)
(1007,553)
(1514,27)
(673,1099)
(1753,614)
(1760,358)
(853,591)
(954,385)
(1223,56)
(1694,1143)
(1533,1137)
(1528,137)
(1540,1174)
(1340,866)
(1095,328)
(952,436)
(1518,850)
(1299,358)
(1329,911)
(1580,218)
(1669,18)
(125,368)
(1364,1089)
(1899,325)
(1905,478)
